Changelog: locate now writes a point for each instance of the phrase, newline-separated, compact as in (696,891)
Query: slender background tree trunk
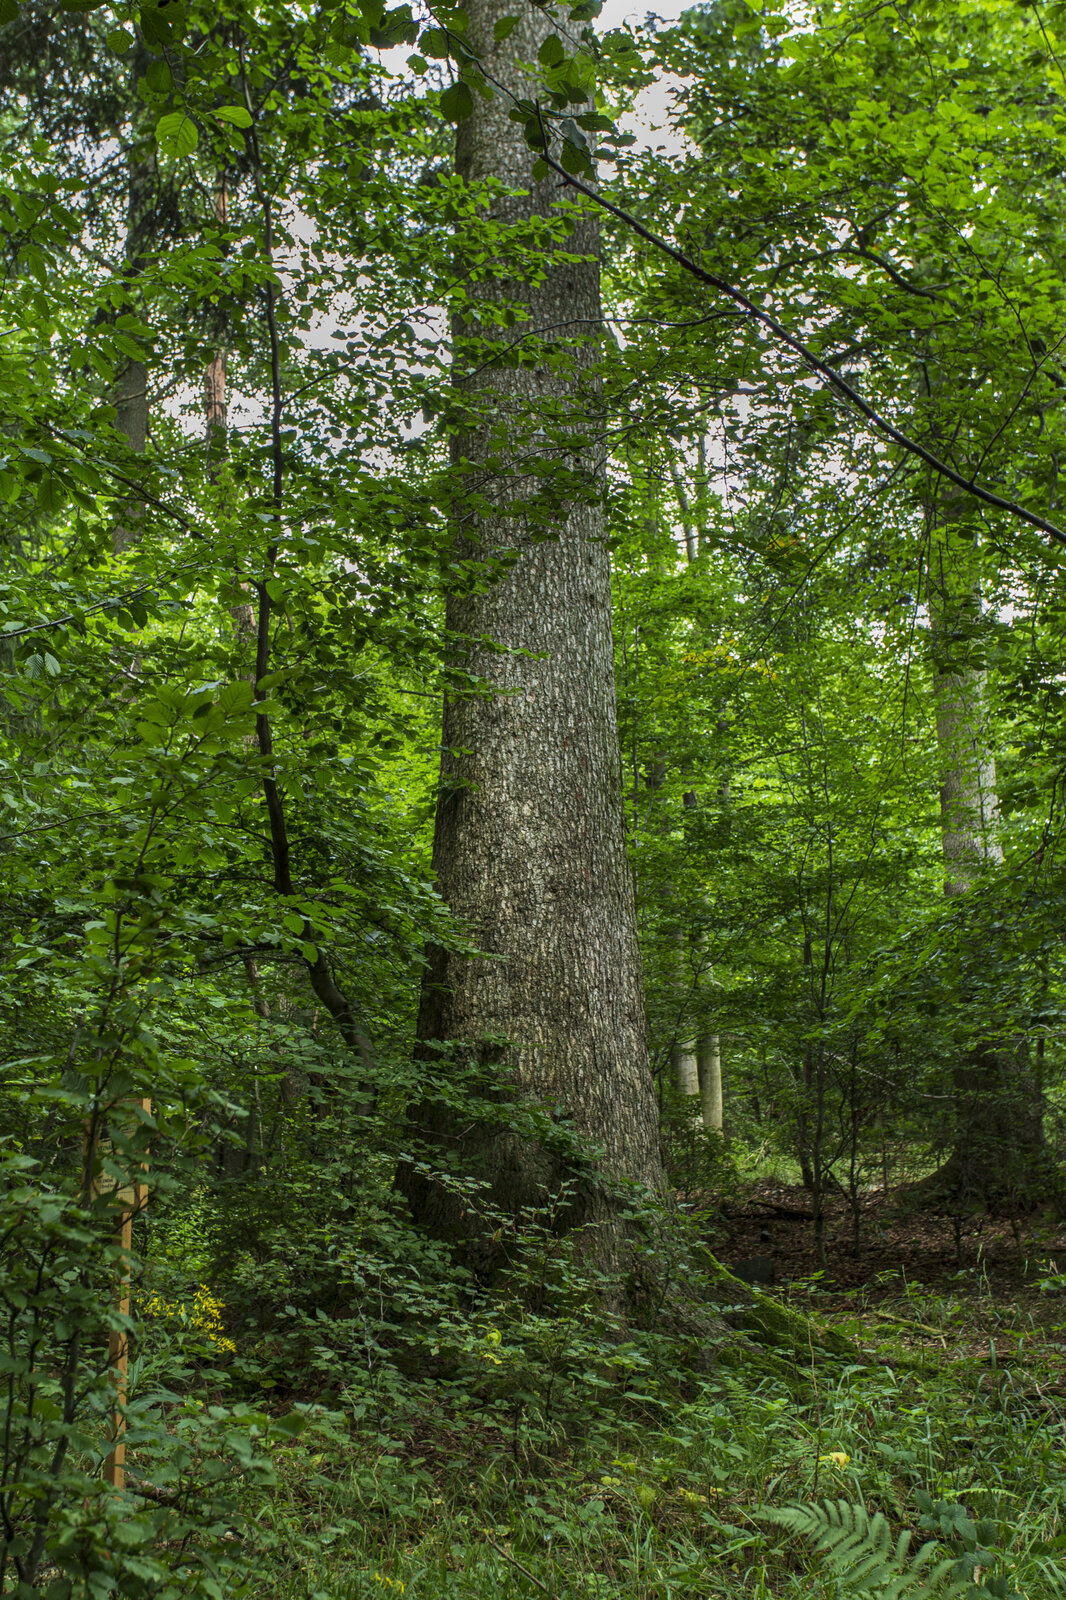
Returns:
(709,1064)
(131,384)
(998,1133)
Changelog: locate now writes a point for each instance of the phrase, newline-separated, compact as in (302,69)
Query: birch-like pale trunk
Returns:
(707,1047)
(709,1067)
(998,1133)
(685,1070)
(529,847)
(969,810)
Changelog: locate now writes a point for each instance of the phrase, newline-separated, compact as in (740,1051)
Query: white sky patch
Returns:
(649,120)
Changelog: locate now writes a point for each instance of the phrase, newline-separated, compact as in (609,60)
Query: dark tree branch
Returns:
(987,496)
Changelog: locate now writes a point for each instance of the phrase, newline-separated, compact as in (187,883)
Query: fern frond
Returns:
(860,1552)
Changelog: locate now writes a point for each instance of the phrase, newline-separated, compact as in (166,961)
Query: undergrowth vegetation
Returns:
(669,1482)
(416,1435)
(310,427)
(324,1403)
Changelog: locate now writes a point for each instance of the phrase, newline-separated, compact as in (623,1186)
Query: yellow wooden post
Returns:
(132,1198)
(118,1358)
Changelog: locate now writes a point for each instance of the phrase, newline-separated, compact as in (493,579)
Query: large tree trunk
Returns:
(998,1128)
(529,845)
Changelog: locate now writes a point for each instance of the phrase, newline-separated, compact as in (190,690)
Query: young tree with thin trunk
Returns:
(130,392)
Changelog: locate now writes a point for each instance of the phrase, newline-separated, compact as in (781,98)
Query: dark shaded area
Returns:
(898,1242)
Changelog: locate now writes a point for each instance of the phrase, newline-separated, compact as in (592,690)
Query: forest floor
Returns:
(989,1290)
(898,1243)
(668,1482)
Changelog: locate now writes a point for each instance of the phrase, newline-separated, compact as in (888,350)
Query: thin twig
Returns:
(543,1587)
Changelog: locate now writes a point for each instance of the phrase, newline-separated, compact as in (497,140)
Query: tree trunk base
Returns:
(1015,1181)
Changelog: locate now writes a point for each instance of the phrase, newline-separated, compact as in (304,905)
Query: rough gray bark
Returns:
(131,404)
(529,844)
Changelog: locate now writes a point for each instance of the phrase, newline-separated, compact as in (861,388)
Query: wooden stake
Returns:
(118,1358)
(133,1199)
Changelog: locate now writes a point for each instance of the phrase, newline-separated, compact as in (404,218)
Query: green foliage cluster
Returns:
(221,659)
(778,685)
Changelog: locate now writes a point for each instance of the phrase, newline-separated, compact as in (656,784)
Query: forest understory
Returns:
(943,1408)
(532,754)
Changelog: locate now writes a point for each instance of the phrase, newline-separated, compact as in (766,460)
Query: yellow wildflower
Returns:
(204,1315)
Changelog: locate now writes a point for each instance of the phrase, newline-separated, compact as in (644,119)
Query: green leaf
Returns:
(574,161)
(163,24)
(156,28)
(417,63)
(456,103)
(176,134)
(293,1424)
(397,26)
(118,39)
(551,52)
(237,116)
(573,135)
(503,29)
(434,42)
(159,77)
(236,697)
(50,495)
(8,11)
